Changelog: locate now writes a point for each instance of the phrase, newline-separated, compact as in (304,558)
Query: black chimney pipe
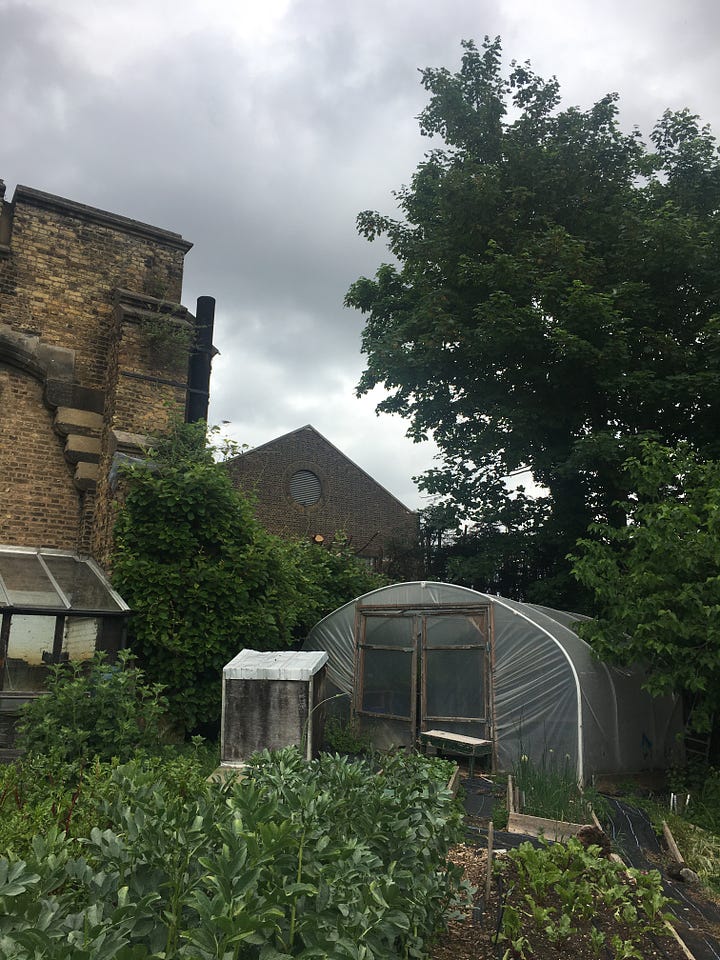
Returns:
(198,395)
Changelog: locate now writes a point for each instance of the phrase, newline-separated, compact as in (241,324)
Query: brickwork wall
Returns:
(140,405)
(63,268)
(351,502)
(87,285)
(39,504)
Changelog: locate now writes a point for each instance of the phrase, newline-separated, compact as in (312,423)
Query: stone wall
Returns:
(93,354)
(350,501)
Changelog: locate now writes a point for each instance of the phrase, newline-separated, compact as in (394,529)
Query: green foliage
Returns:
(325,578)
(205,579)
(556,892)
(655,581)
(94,709)
(555,299)
(202,575)
(694,818)
(40,793)
(699,846)
(701,784)
(550,789)
(346,737)
(168,339)
(322,859)
(507,550)
(500,815)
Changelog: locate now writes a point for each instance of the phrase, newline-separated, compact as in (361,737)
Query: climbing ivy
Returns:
(201,574)
(206,580)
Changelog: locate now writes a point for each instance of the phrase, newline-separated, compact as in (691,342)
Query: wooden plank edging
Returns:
(453,783)
(535,826)
(672,846)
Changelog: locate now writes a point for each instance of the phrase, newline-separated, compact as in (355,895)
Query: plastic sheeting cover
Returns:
(549,697)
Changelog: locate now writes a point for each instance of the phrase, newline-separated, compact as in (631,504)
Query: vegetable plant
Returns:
(329,858)
(554,892)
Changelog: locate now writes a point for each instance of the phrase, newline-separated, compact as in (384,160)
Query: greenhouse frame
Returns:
(55,606)
(420,656)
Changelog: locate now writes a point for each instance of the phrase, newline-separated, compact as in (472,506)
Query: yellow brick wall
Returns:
(61,267)
(39,504)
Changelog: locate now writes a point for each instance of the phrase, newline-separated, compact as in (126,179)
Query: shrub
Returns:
(94,709)
(346,737)
(40,794)
(327,859)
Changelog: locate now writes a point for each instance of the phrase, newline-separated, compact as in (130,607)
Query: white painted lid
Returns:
(275,665)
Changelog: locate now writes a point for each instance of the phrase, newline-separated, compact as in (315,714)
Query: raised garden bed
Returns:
(572,921)
(560,900)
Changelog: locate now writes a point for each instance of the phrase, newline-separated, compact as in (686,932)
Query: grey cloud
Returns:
(263,153)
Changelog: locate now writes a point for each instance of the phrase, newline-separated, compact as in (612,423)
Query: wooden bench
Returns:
(457,743)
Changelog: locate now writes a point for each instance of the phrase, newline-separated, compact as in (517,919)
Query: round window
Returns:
(305,488)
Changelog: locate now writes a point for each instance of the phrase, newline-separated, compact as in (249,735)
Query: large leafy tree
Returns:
(656,581)
(555,296)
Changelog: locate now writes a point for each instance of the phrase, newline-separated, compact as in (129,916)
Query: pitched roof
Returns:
(309,426)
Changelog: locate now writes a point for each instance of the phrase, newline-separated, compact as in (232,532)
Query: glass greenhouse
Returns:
(55,606)
(419,656)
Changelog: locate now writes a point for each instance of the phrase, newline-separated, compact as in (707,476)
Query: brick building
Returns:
(305,487)
(96,352)
(94,347)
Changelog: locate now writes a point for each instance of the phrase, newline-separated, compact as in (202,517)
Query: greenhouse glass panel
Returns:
(80,584)
(26,583)
(30,637)
(81,637)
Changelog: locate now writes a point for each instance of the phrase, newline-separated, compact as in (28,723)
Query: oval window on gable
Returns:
(305,488)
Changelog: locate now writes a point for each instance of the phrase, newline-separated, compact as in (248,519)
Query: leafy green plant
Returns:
(206,579)
(500,815)
(168,338)
(655,578)
(94,708)
(41,793)
(555,892)
(326,577)
(597,941)
(202,575)
(329,858)
(346,737)
(550,789)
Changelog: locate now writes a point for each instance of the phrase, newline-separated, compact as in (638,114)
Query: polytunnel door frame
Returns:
(387,713)
(392,715)
(476,723)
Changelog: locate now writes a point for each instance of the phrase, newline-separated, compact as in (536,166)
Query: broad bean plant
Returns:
(328,859)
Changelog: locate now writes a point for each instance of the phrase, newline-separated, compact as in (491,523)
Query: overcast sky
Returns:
(260,128)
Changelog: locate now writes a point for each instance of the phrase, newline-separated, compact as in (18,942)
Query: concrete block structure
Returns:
(272,700)
(94,354)
(304,487)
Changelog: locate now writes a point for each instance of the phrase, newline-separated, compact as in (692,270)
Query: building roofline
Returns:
(82,211)
(309,426)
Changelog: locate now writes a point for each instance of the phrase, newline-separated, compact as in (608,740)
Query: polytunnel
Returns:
(417,656)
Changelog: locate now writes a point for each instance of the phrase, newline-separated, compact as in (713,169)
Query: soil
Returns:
(472,937)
